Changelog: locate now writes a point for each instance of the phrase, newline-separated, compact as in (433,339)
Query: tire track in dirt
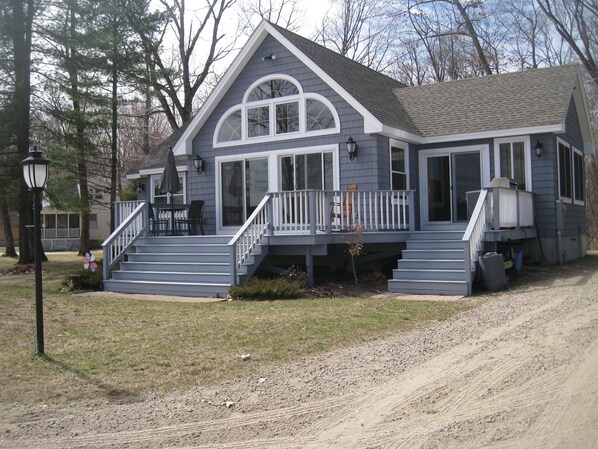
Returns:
(496,377)
(177,431)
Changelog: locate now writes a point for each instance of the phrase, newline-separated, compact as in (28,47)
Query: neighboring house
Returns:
(274,138)
(62,230)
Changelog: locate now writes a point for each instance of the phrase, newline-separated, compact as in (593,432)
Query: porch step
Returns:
(433,263)
(178,266)
(449,288)
(167,288)
(438,244)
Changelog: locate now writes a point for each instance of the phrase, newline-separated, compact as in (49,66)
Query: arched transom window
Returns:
(276,108)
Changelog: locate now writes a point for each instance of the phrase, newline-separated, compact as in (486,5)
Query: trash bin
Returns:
(493,272)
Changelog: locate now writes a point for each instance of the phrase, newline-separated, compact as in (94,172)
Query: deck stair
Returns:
(196,266)
(433,263)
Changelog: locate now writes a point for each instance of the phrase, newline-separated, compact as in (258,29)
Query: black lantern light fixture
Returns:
(539,148)
(351,148)
(35,174)
(199,164)
(140,187)
(270,57)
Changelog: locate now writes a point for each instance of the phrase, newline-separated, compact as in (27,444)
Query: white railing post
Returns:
(312,213)
(412,210)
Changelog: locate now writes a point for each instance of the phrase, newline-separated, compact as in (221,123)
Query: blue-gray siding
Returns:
(365,170)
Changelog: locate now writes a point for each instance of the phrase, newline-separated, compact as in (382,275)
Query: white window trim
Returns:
(527,157)
(154,181)
(301,98)
(274,180)
(405,147)
(574,150)
(263,79)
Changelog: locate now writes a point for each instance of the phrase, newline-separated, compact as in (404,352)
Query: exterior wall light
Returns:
(351,148)
(271,57)
(199,164)
(140,187)
(539,148)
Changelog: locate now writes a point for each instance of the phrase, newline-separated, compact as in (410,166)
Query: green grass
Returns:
(112,347)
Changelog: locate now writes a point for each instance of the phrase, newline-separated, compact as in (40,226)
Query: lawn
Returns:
(113,347)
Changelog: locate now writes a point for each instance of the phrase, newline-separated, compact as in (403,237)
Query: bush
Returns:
(264,289)
(295,274)
(91,280)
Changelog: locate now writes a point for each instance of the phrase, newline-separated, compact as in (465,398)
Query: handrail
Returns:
(117,244)
(251,234)
(474,236)
(122,209)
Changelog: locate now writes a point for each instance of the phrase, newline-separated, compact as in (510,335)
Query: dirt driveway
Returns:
(518,371)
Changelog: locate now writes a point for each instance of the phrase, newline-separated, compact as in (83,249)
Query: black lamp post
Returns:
(35,173)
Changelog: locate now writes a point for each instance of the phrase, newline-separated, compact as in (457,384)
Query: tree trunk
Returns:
(114,144)
(474,37)
(21,39)
(10,250)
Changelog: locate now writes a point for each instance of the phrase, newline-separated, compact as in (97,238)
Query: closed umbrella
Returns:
(170,183)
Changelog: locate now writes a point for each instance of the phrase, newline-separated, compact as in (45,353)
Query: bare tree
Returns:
(460,38)
(176,80)
(535,43)
(285,13)
(360,30)
(576,21)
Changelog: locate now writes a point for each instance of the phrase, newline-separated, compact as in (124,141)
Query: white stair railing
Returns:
(116,245)
(473,237)
(251,234)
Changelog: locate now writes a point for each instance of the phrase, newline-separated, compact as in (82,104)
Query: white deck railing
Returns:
(341,210)
(116,245)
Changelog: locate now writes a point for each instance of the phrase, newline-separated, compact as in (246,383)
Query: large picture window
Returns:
(276,108)
(307,171)
(571,172)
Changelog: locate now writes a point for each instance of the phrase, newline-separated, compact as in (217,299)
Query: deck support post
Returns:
(309,266)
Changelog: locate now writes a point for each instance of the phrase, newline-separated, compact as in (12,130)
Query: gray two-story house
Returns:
(300,150)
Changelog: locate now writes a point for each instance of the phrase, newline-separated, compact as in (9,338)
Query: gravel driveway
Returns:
(520,370)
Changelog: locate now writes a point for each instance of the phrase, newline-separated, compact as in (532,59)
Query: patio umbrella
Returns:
(170,183)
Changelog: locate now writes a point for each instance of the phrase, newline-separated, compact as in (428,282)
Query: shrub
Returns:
(91,280)
(297,274)
(264,289)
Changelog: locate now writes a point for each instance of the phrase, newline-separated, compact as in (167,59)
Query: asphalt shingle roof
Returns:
(512,100)
(370,88)
(156,158)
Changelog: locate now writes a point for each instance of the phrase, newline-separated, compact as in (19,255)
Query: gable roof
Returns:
(155,160)
(533,98)
(533,101)
(372,89)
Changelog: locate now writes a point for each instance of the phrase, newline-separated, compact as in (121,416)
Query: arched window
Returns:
(276,108)
(318,115)
(274,88)
(231,128)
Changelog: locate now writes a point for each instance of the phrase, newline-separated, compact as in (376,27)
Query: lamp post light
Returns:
(35,173)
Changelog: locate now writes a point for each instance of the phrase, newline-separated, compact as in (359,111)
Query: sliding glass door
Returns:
(243,184)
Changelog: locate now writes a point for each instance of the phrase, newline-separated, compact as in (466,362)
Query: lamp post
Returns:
(35,173)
